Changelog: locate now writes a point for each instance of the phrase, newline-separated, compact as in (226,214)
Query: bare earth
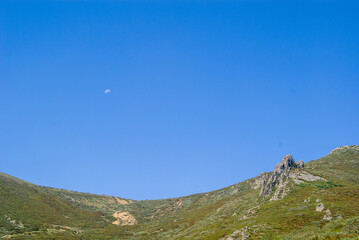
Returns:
(124,218)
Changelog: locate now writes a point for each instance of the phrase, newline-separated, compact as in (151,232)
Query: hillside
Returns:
(314,200)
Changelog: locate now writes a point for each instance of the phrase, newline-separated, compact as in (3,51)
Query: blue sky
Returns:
(203,94)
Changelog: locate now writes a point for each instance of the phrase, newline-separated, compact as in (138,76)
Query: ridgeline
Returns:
(313,200)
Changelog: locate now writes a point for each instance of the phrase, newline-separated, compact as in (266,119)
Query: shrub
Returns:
(352,225)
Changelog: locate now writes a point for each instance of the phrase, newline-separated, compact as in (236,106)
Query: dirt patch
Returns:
(124,218)
(121,201)
(179,203)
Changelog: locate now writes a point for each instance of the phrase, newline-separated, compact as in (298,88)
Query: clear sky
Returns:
(202,94)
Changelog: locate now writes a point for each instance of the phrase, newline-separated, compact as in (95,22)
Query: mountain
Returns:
(313,200)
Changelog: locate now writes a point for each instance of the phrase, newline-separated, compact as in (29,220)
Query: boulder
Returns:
(300,164)
(319,207)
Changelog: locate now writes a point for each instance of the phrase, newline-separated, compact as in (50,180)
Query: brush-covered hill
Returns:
(314,200)
(31,211)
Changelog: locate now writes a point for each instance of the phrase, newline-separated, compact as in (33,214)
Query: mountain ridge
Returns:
(256,208)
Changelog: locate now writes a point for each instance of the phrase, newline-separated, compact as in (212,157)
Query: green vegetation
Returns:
(29,211)
(324,185)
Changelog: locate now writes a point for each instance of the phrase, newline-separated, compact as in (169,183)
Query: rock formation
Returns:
(286,164)
(280,177)
(300,164)
(279,181)
(319,207)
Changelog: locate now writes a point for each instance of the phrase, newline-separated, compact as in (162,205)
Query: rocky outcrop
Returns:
(280,178)
(260,181)
(277,184)
(286,164)
(302,176)
(300,164)
(319,207)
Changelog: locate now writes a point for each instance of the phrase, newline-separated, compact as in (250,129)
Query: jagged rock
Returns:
(318,200)
(269,184)
(300,164)
(280,177)
(287,164)
(260,181)
(319,207)
(282,188)
(307,200)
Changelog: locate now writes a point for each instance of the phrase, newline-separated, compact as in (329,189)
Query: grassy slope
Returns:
(91,202)
(219,213)
(26,207)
